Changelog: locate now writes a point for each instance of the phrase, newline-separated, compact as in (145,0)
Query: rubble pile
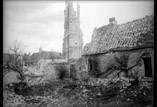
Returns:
(114,91)
(105,82)
(139,95)
(33,77)
(12,99)
(35,80)
(94,92)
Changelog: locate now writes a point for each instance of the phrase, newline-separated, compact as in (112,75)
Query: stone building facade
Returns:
(116,48)
(72,42)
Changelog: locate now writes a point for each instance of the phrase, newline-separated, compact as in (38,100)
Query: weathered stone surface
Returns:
(106,60)
(82,75)
(50,72)
(11,77)
(43,62)
(114,74)
(122,74)
(73,42)
(135,64)
(136,56)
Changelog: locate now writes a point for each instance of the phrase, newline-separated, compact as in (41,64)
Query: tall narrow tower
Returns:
(72,43)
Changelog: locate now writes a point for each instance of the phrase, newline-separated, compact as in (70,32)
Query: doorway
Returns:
(90,65)
(148,67)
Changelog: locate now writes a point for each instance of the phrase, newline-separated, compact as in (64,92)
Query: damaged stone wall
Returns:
(79,69)
(106,60)
(135,63)
(48,68)
(43,62)
(50,72)
(138,55)
(81,65)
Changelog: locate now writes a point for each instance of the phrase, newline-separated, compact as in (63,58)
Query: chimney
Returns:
(112,21)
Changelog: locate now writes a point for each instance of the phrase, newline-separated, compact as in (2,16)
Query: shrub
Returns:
(21,88)
(16,67)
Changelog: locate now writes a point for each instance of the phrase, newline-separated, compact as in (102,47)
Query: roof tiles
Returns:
(123,35)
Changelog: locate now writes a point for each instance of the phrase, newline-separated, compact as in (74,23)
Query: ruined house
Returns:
(118,50)
(45,55)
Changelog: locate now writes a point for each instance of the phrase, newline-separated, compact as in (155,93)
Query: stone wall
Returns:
(138,55)
(81,65)
(106,60)
(138,70)
(50,72)
(43,62)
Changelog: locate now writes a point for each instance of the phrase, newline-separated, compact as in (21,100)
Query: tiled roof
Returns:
(131,34)
(45,55)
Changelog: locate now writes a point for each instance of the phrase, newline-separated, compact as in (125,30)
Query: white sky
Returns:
(41,23)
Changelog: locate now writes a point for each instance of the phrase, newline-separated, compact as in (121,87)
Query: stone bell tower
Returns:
(72,42)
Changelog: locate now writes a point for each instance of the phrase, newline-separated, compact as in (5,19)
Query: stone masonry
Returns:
(72,43)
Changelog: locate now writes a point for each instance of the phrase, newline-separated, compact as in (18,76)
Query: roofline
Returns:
(120,50)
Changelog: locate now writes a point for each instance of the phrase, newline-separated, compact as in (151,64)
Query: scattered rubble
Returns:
(35,91)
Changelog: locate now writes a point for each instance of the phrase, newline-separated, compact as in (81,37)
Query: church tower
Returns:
(72,43)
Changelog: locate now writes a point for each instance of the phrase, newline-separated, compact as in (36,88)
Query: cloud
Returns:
(21,7)
(41,23)
(32,12)
(36,23)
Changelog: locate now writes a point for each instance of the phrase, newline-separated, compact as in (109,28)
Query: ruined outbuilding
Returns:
(118,50)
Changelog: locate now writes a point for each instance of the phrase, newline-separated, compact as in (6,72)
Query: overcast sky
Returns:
(41,23)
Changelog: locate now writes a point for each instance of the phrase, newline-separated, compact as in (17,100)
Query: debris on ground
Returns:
(69,93)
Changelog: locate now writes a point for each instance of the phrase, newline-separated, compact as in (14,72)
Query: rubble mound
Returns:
(92,93)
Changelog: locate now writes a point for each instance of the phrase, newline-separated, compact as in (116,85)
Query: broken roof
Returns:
(137,33)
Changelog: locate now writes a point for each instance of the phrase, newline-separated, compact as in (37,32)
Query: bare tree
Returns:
(17,48)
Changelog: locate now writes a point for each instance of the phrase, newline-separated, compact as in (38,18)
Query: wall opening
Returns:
(90,65)
(148,67)
(95,65)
